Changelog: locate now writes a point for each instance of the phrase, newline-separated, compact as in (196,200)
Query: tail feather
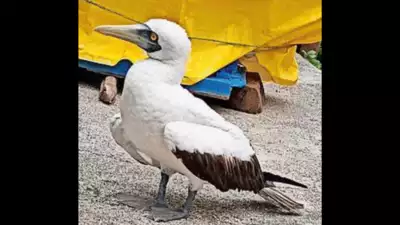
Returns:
(270,192)
(275,178)
(280,199)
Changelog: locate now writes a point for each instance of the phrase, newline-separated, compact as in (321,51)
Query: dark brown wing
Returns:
(224,172)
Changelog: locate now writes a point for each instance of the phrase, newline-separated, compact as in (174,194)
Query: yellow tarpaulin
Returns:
(271,28)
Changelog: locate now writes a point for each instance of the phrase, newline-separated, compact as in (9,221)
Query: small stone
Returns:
(108,90)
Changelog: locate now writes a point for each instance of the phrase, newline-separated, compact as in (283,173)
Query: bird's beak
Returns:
(125,32)
(138,34)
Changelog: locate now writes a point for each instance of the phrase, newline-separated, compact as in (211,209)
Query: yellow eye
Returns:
(153,36)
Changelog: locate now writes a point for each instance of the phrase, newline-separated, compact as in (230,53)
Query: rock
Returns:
(108,90)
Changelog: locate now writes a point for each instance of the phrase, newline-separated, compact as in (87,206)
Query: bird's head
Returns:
(161,39)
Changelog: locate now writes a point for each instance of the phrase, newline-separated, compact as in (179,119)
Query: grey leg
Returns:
(160,199)
(166,214)
(146,204)
(189,201)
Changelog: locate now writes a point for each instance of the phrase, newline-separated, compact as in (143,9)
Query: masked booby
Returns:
(170,126)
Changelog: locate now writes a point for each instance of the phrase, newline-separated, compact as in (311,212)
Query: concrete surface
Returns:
(286,138)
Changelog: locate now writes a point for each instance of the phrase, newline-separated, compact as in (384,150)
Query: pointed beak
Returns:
(138,34)
(125,32)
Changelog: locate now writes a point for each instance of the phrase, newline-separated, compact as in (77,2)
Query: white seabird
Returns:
(164,125)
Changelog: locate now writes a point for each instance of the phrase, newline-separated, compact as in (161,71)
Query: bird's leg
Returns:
(187,206)
(160,199)
(167,214)
(145,204)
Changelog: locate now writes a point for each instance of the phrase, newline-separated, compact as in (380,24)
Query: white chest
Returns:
(148,103)
(145,114)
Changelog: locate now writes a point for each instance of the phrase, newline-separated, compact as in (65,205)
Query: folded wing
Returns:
(215,156)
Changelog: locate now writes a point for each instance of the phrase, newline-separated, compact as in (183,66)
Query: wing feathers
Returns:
(224,172)
(215,156)
(204,139)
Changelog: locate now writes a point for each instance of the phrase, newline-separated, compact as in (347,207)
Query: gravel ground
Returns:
(286,138)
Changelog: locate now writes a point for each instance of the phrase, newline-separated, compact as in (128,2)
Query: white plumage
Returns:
(205,139)
(117,131)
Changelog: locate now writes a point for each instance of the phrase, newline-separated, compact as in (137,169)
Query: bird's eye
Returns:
(153,36)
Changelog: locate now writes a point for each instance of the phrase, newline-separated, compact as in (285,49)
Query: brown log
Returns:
(250,98)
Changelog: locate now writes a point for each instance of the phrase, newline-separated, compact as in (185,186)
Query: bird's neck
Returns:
(153,70)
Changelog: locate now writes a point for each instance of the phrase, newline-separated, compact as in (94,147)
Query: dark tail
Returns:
(275,178)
